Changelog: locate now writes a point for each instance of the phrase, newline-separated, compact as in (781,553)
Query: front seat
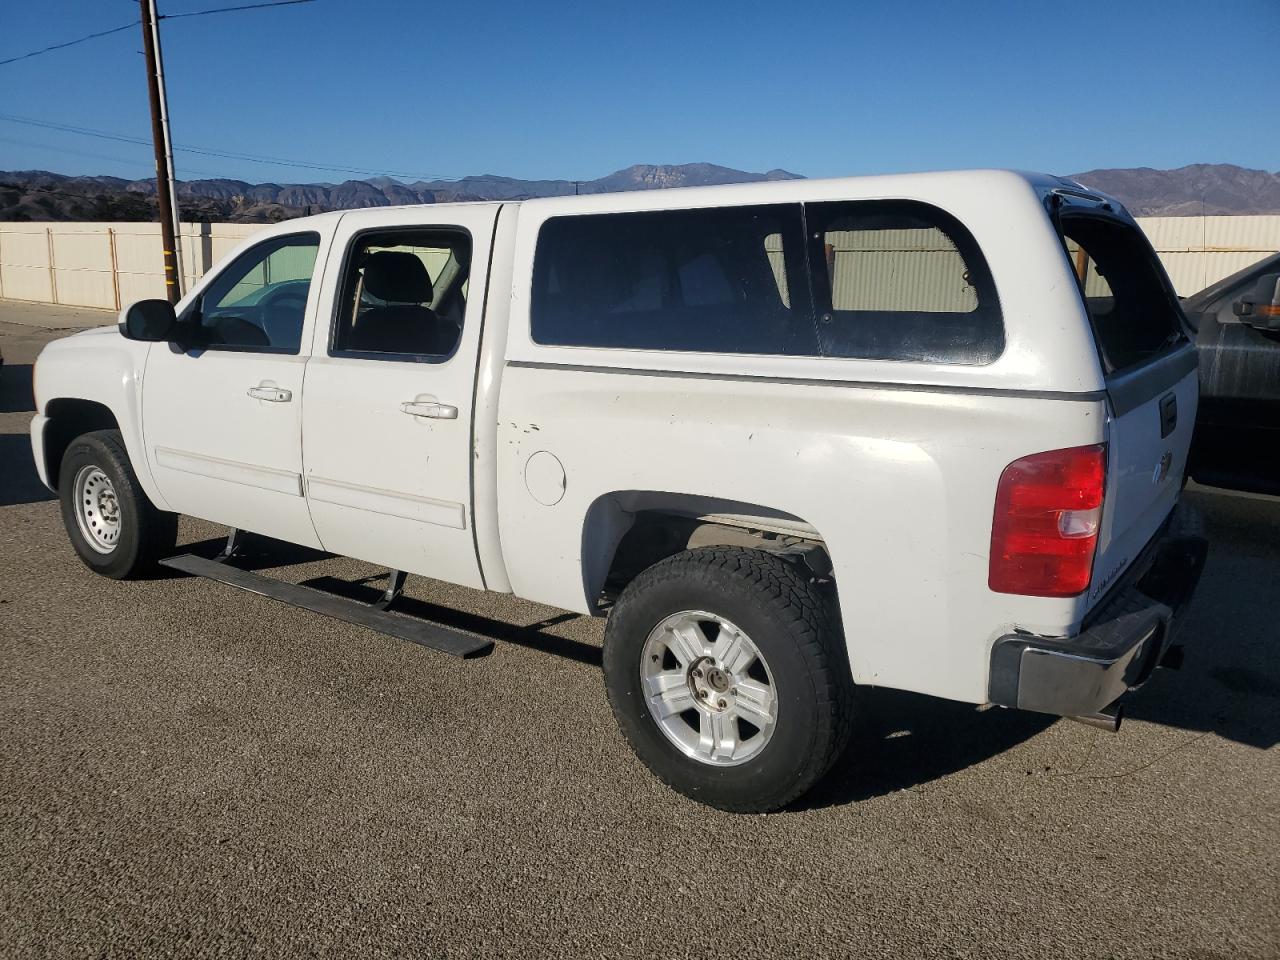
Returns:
(405,324)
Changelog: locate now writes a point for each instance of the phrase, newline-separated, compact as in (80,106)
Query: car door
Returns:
(1237,442)
(387,416)
(222,413)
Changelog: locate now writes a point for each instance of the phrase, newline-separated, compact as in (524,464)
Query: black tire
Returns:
(797,633)
(146,534)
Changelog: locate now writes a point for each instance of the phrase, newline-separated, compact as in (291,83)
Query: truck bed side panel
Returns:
(907,520)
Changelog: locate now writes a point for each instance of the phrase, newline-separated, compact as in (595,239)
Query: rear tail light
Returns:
(1045,530)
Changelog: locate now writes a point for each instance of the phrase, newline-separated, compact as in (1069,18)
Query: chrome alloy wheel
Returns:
(97,509)
(708,688)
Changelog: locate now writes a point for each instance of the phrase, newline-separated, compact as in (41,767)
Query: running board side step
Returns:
(434,635)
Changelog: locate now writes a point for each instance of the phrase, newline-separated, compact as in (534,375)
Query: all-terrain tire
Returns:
(792,624)
(141,534)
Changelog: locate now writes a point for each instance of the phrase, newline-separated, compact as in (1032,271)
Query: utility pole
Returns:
(170,225)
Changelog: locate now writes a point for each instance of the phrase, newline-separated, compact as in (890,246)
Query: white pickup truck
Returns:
(925,432)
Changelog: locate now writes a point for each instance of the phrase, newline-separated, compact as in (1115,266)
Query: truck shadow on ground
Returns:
(261,553)
(19,482)
(15,388)
(1229,685)
(901,740)
(255,553)
(531,635)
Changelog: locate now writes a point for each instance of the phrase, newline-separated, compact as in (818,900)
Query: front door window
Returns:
(259,301)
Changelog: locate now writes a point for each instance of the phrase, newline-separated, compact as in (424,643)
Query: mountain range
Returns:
(1202,188)
(39,195)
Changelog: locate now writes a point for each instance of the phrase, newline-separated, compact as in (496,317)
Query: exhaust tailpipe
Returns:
(1108,718)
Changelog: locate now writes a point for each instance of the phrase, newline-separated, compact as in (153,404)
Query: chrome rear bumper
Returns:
(1124,640)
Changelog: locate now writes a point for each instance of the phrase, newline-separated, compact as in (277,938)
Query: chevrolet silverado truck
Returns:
(925,432)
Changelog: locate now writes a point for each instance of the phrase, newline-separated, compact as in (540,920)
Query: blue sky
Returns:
(577,90)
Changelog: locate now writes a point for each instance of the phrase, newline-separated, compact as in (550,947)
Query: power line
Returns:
(201,151)
(67,128)
(130,26)
(69,150)
(248,6)
(72,43)
(101,156)
(223,154)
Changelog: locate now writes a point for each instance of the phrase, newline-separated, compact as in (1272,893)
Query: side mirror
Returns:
(149,320)
(1260,308)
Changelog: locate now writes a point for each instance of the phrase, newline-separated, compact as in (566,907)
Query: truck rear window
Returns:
(1134,313)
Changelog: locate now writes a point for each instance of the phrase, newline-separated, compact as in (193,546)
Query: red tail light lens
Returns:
(1048,509)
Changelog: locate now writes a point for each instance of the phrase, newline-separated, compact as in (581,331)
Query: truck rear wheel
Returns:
(114,528)
(726,672)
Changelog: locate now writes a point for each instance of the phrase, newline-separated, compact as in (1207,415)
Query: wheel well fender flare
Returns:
(68,418)
(624,532)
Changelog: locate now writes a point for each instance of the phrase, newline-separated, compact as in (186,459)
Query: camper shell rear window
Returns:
(1132,308)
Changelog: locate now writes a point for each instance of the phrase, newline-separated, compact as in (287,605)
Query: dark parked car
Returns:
(1237,440)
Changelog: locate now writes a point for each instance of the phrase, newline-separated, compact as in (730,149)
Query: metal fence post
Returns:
(115,270)
(53,273)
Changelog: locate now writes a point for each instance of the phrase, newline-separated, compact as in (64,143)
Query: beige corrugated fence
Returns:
(113,264)
(1198,251)
(103,264)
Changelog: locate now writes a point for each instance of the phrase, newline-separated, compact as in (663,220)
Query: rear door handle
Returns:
(436,411)
(274,394)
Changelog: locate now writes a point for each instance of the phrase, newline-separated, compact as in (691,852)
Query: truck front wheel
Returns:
(114,528)
(726,671)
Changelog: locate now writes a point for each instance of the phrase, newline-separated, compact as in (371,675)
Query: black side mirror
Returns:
(1260,308)
(149,320)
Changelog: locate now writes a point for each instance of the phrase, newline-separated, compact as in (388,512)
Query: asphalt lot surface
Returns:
(188,770)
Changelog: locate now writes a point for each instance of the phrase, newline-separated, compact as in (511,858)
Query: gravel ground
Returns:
(190,770)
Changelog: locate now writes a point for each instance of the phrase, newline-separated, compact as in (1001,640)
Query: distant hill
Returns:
(39,195)
(1209,188)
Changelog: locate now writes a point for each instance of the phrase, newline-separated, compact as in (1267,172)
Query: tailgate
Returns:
(1148,438)
(1151,374)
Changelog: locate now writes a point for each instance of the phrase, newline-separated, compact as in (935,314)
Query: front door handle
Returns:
(274,394)
(424,408)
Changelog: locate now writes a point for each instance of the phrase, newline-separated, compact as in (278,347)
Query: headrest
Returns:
(397,277)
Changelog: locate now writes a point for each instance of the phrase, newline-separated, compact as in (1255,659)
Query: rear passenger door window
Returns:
(901,280)
(716,280)
(403,295)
